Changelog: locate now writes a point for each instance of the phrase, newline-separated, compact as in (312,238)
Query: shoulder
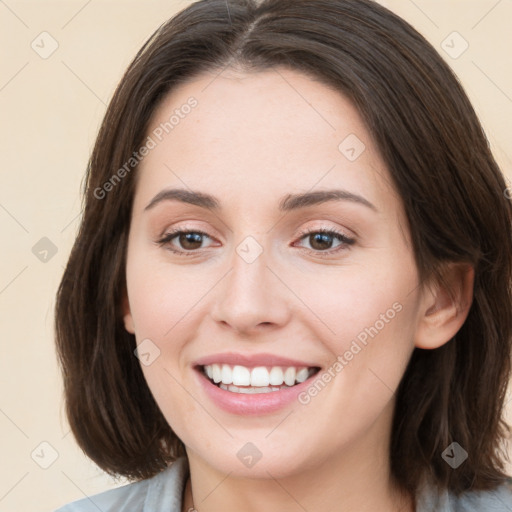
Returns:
(495,500)
(163,492)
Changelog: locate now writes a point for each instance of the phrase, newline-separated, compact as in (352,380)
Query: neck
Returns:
(355,479)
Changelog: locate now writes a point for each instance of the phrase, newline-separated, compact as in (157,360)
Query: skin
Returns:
(253,139)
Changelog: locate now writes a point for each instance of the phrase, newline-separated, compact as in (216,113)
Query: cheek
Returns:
(162,296)
(372,310)
(372,315)
(363,302)
(164,303)
(178,408)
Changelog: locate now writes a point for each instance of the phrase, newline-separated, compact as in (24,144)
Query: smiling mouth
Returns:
(259,379)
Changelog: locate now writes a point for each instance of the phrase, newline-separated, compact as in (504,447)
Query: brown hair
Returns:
(440,164)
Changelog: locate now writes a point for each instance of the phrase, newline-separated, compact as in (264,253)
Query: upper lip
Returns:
(252,360)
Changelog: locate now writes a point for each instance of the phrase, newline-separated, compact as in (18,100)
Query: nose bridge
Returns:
(250,295)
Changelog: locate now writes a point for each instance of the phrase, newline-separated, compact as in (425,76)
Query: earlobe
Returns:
(127,315)
(445,306)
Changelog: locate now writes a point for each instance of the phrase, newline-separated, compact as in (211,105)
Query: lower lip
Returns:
(251,404)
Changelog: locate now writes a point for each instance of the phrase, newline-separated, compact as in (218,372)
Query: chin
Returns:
(257,460)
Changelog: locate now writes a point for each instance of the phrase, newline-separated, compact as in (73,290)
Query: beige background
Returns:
(51,109)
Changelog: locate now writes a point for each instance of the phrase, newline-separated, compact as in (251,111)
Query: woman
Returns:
(291,285)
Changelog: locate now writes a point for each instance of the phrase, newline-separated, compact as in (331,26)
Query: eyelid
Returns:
(187,225)
(320,226)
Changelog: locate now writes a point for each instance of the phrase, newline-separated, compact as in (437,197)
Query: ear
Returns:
(127,314)
(445,306)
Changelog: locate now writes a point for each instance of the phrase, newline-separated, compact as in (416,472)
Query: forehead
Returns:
(271,132)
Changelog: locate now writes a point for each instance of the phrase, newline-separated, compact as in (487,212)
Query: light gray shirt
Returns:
(164,491)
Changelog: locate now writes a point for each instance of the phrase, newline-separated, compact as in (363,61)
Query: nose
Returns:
(251,297)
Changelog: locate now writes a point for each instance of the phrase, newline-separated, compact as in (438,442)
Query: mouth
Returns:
(257,379)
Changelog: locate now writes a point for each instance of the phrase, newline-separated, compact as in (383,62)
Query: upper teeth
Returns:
(258,376)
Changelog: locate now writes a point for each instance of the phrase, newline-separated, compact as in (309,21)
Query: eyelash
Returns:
(346,241)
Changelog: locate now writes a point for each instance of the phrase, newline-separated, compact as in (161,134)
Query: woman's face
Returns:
(256,287)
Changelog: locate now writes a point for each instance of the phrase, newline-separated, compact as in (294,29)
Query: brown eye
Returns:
(321,240)
(183,242)
(190,240)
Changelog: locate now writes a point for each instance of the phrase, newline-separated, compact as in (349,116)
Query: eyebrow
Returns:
(288,203)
